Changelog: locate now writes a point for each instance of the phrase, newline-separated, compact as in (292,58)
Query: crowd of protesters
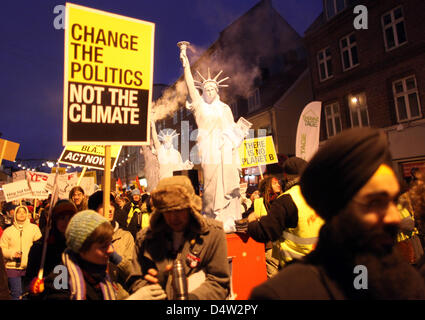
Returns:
(318,220)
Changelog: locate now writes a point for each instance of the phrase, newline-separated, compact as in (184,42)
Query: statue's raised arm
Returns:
(155,139)
(193,92)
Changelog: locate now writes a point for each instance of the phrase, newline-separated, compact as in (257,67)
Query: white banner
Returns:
(308,131)
(17,190)
(67,181)
(38,182)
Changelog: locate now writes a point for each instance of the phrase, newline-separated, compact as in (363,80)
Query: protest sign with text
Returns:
(17,190)
(108,78)
(90,156)
(38,182)
(257,151)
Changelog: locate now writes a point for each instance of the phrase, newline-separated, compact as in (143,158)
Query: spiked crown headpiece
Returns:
(201,84)
(167,135)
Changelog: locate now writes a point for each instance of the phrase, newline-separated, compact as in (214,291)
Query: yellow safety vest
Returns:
(405,214)
(295,243)
(259,208)
(145,216)
(133,209)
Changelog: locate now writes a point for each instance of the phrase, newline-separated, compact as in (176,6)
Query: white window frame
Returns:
(332,116)
(349,49)
(356,104)
(325,62)
(405,94)
(254,100)
(335,13)
(392,25)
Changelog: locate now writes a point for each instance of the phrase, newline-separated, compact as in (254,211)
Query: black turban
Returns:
(342,167)
(293,167)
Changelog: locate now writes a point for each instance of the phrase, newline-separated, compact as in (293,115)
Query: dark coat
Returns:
(121,216)
(55,246)
(298,281)
(283,214)
(4,287)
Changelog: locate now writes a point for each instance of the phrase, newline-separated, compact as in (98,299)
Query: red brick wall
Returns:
(378,68)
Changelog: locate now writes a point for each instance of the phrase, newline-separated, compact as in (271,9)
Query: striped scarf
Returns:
(77,283)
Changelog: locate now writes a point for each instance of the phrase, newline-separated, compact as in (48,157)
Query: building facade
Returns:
(372,77)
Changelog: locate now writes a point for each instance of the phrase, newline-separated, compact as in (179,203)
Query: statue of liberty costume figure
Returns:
(219,138)
(169,159)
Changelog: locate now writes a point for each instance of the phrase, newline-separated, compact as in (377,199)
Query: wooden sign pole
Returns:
(81,175)
(107,181)
(34,210)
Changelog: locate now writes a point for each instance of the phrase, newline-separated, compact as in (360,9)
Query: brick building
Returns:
(372,77)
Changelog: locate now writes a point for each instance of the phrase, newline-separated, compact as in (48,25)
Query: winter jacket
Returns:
(123,244)
(128,218)
(154,250)
(55,246)
(18,238)
(288,284)
(87,281)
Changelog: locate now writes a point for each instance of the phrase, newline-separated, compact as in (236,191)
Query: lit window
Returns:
(358,110)
(406,99)
(394,29)
(333,119)
(349,53)
(324,59)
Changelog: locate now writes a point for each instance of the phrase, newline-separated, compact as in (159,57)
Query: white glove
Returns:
(150,292)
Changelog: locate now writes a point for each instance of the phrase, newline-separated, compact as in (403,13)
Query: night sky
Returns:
(31,55)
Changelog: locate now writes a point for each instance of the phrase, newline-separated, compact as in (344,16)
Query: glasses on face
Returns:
(379,203)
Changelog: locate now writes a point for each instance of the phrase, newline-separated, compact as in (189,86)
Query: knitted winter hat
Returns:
(80,227)
(342,167)
(135,191)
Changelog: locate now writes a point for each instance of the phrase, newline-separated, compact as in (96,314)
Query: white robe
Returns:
(218,140)
(169,160)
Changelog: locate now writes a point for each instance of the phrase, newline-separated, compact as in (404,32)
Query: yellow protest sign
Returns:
(60,169)
(257,151)
(91,156)
(108,78)
(8,150)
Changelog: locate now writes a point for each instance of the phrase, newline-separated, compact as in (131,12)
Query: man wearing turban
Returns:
(350,183)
